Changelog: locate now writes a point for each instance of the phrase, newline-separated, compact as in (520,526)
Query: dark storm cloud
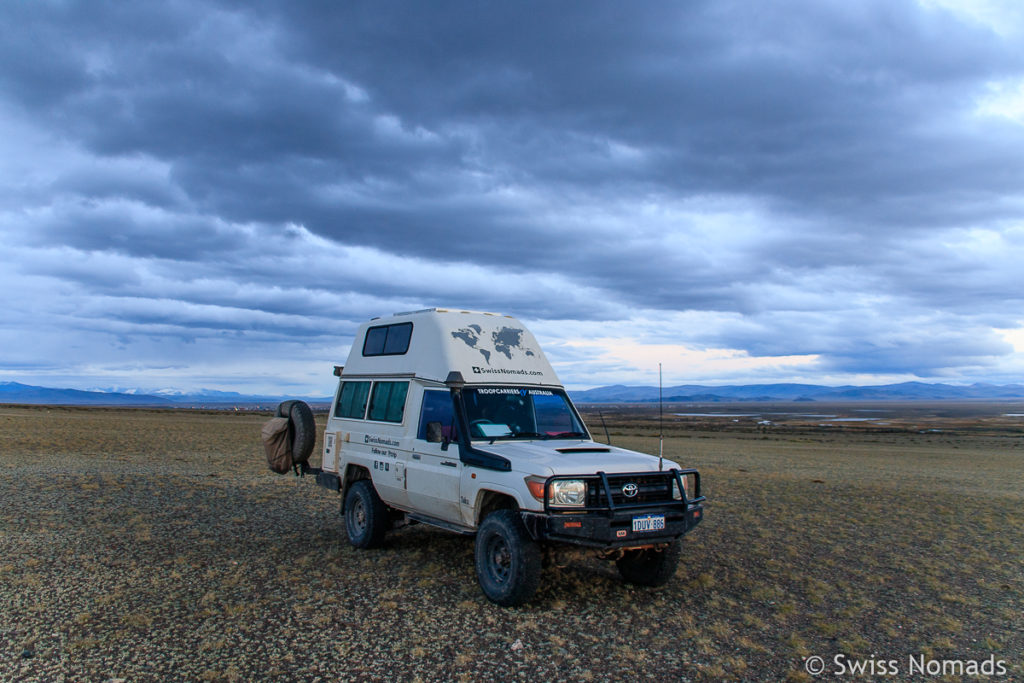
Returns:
(732,98)
(801,106)
(794,167)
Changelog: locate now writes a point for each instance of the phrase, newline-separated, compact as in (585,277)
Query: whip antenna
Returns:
(661,426)
(606,434)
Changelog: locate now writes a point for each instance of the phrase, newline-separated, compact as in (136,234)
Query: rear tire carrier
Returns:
(301,429)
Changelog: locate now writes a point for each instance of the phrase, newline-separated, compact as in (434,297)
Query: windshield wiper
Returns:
(530,434)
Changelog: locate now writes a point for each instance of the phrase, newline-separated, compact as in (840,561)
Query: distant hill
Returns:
(696,393)
(13,392)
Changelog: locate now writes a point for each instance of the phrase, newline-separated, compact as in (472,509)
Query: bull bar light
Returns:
(689,485)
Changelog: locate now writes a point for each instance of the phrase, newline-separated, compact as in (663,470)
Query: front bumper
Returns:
(613,501)
(612,530)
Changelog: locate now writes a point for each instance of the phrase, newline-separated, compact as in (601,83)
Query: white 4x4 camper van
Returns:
(456,419)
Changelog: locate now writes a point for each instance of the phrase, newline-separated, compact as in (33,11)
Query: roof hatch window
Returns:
(387,340)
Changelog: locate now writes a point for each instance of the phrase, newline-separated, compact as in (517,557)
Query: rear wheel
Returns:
(508,561)
(366,516)
(650,567)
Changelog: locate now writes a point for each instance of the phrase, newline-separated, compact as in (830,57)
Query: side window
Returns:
(387,340)
(437,407)
(352,401)
(388,401)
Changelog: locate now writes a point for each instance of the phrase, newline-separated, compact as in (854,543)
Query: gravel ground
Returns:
(141,546)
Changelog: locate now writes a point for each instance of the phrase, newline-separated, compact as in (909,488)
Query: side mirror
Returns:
(434,432)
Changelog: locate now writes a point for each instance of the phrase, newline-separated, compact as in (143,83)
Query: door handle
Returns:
(415,456)
(448,463)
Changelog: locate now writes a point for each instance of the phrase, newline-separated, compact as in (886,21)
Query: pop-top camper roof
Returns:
(486,348)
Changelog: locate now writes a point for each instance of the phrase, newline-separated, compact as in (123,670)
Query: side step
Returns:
(441,524)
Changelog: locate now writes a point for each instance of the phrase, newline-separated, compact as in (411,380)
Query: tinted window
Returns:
(352,402)
(514,412)
(398,338)
(388,402)
(552,415)
(387,340)
(437,407)
(375,338)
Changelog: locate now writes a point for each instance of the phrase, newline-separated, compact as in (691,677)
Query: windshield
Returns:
(519,412)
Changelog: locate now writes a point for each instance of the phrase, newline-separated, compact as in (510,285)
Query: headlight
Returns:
(569,492)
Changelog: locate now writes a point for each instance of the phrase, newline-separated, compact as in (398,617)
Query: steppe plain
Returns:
(150,545)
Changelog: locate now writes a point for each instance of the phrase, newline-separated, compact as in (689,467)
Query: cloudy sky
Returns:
(204,194)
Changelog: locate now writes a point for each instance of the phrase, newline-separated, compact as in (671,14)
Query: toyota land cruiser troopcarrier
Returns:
(456,419)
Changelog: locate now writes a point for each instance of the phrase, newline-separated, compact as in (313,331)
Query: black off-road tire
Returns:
(366,515)
(301,428)
(508,561)
(650,567)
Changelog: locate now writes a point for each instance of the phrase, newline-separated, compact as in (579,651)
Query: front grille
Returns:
(651,488)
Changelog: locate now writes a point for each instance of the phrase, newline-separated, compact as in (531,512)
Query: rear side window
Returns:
(387,340)
(388,402)
(352,402)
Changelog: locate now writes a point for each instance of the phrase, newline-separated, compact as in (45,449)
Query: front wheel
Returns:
(650,567)
(508,561)
(366,516)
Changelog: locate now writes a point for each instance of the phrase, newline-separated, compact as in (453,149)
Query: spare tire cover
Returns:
(275,443)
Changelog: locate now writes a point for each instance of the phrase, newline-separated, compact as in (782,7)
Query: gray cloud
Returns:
(814,178)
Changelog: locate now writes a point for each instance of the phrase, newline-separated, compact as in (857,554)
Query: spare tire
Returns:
(301,428)
(284,408)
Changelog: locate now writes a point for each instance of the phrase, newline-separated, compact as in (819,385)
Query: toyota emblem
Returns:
(630,490)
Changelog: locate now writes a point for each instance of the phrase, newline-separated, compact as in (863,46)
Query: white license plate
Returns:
(649,523)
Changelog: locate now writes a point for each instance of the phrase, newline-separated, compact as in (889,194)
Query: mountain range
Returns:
(906,391)
(13,392)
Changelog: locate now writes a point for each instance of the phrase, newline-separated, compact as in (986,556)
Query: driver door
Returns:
(434,473)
